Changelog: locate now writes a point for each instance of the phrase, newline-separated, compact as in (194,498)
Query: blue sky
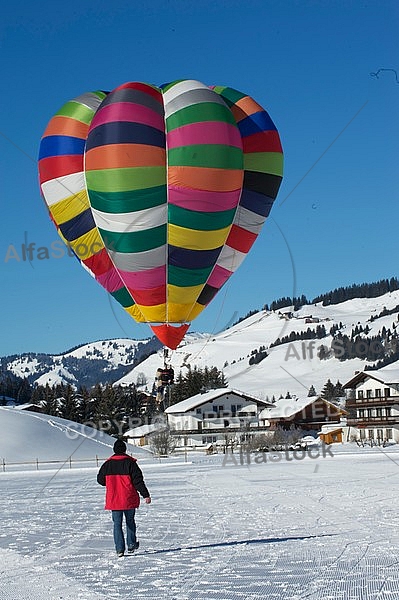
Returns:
(307,62)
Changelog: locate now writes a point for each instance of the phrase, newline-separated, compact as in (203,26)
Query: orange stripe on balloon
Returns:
(244,108)
(67,126)
(114,156)
(203,178)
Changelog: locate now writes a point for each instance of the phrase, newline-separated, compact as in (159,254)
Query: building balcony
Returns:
(377,401)
(373,421)
(217,430)
(229,422)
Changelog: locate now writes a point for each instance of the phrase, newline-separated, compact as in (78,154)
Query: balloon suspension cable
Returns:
(165,356)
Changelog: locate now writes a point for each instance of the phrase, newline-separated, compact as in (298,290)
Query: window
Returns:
(198,411)
(362,434)
(386,392)
(360,394)
(215,409)
(388,411)
(380,434)
(371,434)
(388,434)
(378,412)
(369,393)
(221,407)
(377,393)
(361,413)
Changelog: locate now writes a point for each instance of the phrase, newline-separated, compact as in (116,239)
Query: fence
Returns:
(36,464)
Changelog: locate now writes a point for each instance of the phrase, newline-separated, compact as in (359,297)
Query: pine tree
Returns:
(328,391)
(195,381)
(339,391)
(312,392)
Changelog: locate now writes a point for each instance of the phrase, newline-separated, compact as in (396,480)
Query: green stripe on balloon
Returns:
(132,200)
(181,277)
(200,221)
(123,297)
(199,113)
(77,111)
(230,96)
(125,179)
(264,162)
(215,156)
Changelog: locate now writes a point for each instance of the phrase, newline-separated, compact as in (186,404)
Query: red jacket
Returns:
(123,480)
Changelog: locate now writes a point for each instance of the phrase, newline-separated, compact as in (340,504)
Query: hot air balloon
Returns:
(161,192)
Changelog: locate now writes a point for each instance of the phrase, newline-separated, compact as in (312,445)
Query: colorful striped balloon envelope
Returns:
(161,192)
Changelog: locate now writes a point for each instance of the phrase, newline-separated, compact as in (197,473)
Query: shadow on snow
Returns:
(240,543)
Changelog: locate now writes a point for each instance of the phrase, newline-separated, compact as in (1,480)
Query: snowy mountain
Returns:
(268,354)
(96,362)
(292,366)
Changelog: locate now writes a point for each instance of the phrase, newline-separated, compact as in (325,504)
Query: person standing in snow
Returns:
(123,481)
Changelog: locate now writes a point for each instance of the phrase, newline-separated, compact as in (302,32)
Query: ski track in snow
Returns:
(281,531)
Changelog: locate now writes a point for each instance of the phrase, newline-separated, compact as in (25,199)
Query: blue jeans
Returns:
(119,538)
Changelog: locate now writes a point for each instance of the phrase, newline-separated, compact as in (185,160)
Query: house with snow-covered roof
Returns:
(141,436)
(208,417)
(309,413)
(372,401)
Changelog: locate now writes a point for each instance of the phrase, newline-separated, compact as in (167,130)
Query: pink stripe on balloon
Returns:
(110,280)
(218,277)
(202,200)
(128,111)
(144,280)
(208,132)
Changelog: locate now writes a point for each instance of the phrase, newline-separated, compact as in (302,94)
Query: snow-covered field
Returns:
(324,528)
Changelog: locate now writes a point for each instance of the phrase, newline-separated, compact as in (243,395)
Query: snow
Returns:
(287,407)
(291,528)
(30,436)
(116,352)
(209,396)
(55,376)
(292,367)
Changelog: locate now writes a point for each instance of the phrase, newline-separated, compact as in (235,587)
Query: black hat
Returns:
(119,447)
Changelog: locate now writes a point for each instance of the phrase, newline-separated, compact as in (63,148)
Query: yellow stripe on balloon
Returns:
(181,313)
(189,293)
(136,313)
(193,239)
(69,207)
(87,245)
(153,314)
(195,311)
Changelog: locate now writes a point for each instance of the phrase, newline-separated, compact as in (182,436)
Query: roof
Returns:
(199,399)
(26,406)
(386,375)
(139,432)
(288,407)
